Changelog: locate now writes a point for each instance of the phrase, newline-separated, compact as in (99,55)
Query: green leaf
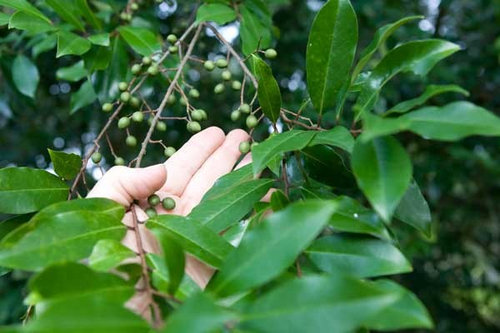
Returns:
(25,76)
(24,6)
(4,19)
(68,43)
(218,13)
(108,254)
(254,31)
(414,210)
(83,97)
(25,190)
(141,40)
(33,24)
(407,313)
(383,171)
(174,259)
(67,11)
(357,256)
(98,58)
(48,43)
(194,238)
(90,17)
(430,92)
(67,231)
(198,314)
(65,165)
(338,136)
(318,304)
(378,41)
(73,73)
(268,89)
(8,225)
(418,57)
(279,201)
(100,39)
(272,246)
(330,52)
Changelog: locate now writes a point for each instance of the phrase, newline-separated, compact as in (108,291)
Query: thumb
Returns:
(124,185)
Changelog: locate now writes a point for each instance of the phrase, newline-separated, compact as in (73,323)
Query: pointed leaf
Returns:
(141,40)
(68,43)
(338,137)
(72,73)
(33,24)
(65,165)
(216,12)
(254,31)
(83,97)
(108,254)
(174,259)
(268,90)
(84,9)
(24,6)
(100,39)
(414,210)
(67,11)
(25,76)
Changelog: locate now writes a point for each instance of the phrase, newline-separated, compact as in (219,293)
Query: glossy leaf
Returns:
(70,44)
(279,201)
(25,190)
(98,58)
(65,165)
(414,210)
(141,40)
(25,6)
(8,225)
(218,13)
(25,76)
(33,24)
(330,52)
(4,19)
(100,39)
(48,43)
(357,256)
(90,17)
(73,73)
(254,31)
(268,90)
(383,171)
(83,97)
(284,235)
(338,136)
(174,258)
(108,254)
(67,11)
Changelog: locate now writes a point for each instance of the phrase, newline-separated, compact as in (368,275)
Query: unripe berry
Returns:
(123,16)
(236,85)
(147,61)
(119,161)
(219,88)
(235,115)
(96,157)
(154,200)
(128,17)
(135,102)
(245,108)
(183,101)
(194,93)
(151,212)
(134,6)
(123,86)
(244,147)
(124,122)
(226,75)
(172,38)
(138,116)
(251,121)
(131,141)
(209,65)
(204,114)
(193,126)
(136,69)
(153,70)
(161,126)
(107,107)
(173,49)
(171,99)
(221,63)
(125,97)
(168,203)
(197,115)
(169,151)
(271,54)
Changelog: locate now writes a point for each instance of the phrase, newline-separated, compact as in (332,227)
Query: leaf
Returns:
(194,238)
(254,32)
(279,201)
(378,41)
(218,13)
(8,225)
(33,24)
(65,165)
(407,313)
(73,73)
(383,171)
(24,6)
(418,57)
(68,43)
(272,246)
(430,92)
(141,40)
(67,231)
(174,259)
(67,11)
(25,190)
(108,254)
(4,19)
(48,43)
(83,97)
(268,89)
(100,39)
(357,256)
(414,210)
(98,58)
(338,136)
(198,314)
(84,9)
(330,52)
(25,76)
(317,304)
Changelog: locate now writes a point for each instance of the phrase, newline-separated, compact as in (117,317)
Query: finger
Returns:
(184,164)
(124,185)
(217,165)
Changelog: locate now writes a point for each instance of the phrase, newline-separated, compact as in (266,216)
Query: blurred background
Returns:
(456,273)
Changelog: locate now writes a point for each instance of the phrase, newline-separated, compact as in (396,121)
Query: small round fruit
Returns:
(172,38)
(193,126)
(171,99)
(221,63)
(251,121)
(161,126)
(204,114)
(119,161)
(153,70)
(131,141)
(236,85)
(235,115)
(154,200)
(136,69)
(244,147)
(173,49)
(271,53)
(147,61)
(124,122)
(135,102)
(138,116)
(134,6)
(151,212)
(197,115)
(96,157)
(125,97)
(123,16)
(245,108)
(123,86)
(226,75)
(209,65)
(183,101)
(107,107)
(168,203)
(169,151)
(219,88)
(194,93)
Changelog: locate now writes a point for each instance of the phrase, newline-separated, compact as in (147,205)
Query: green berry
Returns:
(131,141)
(123,16)
(154,200)
(197,115)
(251,121)
(245,108)
(204,114)
(107,107)
(271,53)
(161,126)
(153,70)
(128,17)
(209,65)
(119,161)
(123,86)
(151,212)
(235,115)
(173,49)
(168,203)
(172,38)
(147,61)
(194,93)
(134,6)
(124,122)
(221,63)
(171,99)
(135,102)
(236,85)
(125,97)
(226,75)
(136,69)
(96,157)
(219,88)
(193,126)
(183,101)
(138,116)
(244,147)
(169,151)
